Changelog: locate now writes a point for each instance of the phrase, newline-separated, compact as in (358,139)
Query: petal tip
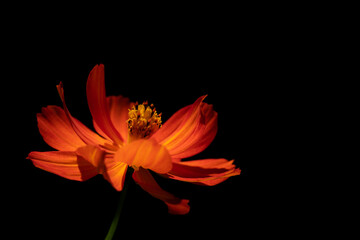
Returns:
(97,67)
(180,208)
(60,89)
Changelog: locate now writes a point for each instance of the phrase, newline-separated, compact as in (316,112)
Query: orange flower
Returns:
(131,134)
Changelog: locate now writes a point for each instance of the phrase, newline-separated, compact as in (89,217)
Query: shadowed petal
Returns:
(64,163)
(56,129)
(96,96)
(147,154)
(93,155)
(204,172)
(147,182)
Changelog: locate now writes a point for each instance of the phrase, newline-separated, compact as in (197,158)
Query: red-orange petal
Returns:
(56,129)
(96,96)
(118,108)
(170,126)
(207,172)
(147,183)
(86,135)
(178,125)
(93,155)
(145,153)
(66,164)
(189,131)
(115,172)
(202,136)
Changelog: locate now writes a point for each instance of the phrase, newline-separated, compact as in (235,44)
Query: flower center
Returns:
(143,120)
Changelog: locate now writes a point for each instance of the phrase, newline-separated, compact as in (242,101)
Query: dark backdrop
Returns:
(169,71)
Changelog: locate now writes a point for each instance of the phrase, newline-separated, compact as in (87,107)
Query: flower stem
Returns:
(115,221)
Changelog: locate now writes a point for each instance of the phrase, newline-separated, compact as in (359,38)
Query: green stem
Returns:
(115,221)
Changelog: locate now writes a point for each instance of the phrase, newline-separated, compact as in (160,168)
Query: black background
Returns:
(170,68)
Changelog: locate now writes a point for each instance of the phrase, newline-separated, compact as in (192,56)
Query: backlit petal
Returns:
(66,164)
(189,131)
(202,136)
(204,172)
(96,96)
(147,182)
(56,129)
(182,122)
(118,108)
(86,135)
(147,154)
(170,126)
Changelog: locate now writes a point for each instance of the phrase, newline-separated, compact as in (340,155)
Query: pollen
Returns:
(143,120)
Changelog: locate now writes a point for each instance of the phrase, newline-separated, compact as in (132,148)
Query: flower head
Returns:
(131,134)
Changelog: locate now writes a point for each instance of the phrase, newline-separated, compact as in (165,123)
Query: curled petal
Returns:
(86,135)
(56,129)
(179,207)
(147,182)
(204,172)
(147,154)
(66,164)
(96,96)
(189,131)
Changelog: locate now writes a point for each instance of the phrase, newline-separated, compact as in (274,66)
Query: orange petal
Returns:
(170,126)
(93,155)
(189,131)
(119,108)
(96,96)
(115,172)
(204,172)
(147,182)
(147,154)
(56,129)
(64,163)
(178,124)
(86,135)
(202,136)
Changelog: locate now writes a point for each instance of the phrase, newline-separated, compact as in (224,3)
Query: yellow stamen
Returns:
(143,121)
